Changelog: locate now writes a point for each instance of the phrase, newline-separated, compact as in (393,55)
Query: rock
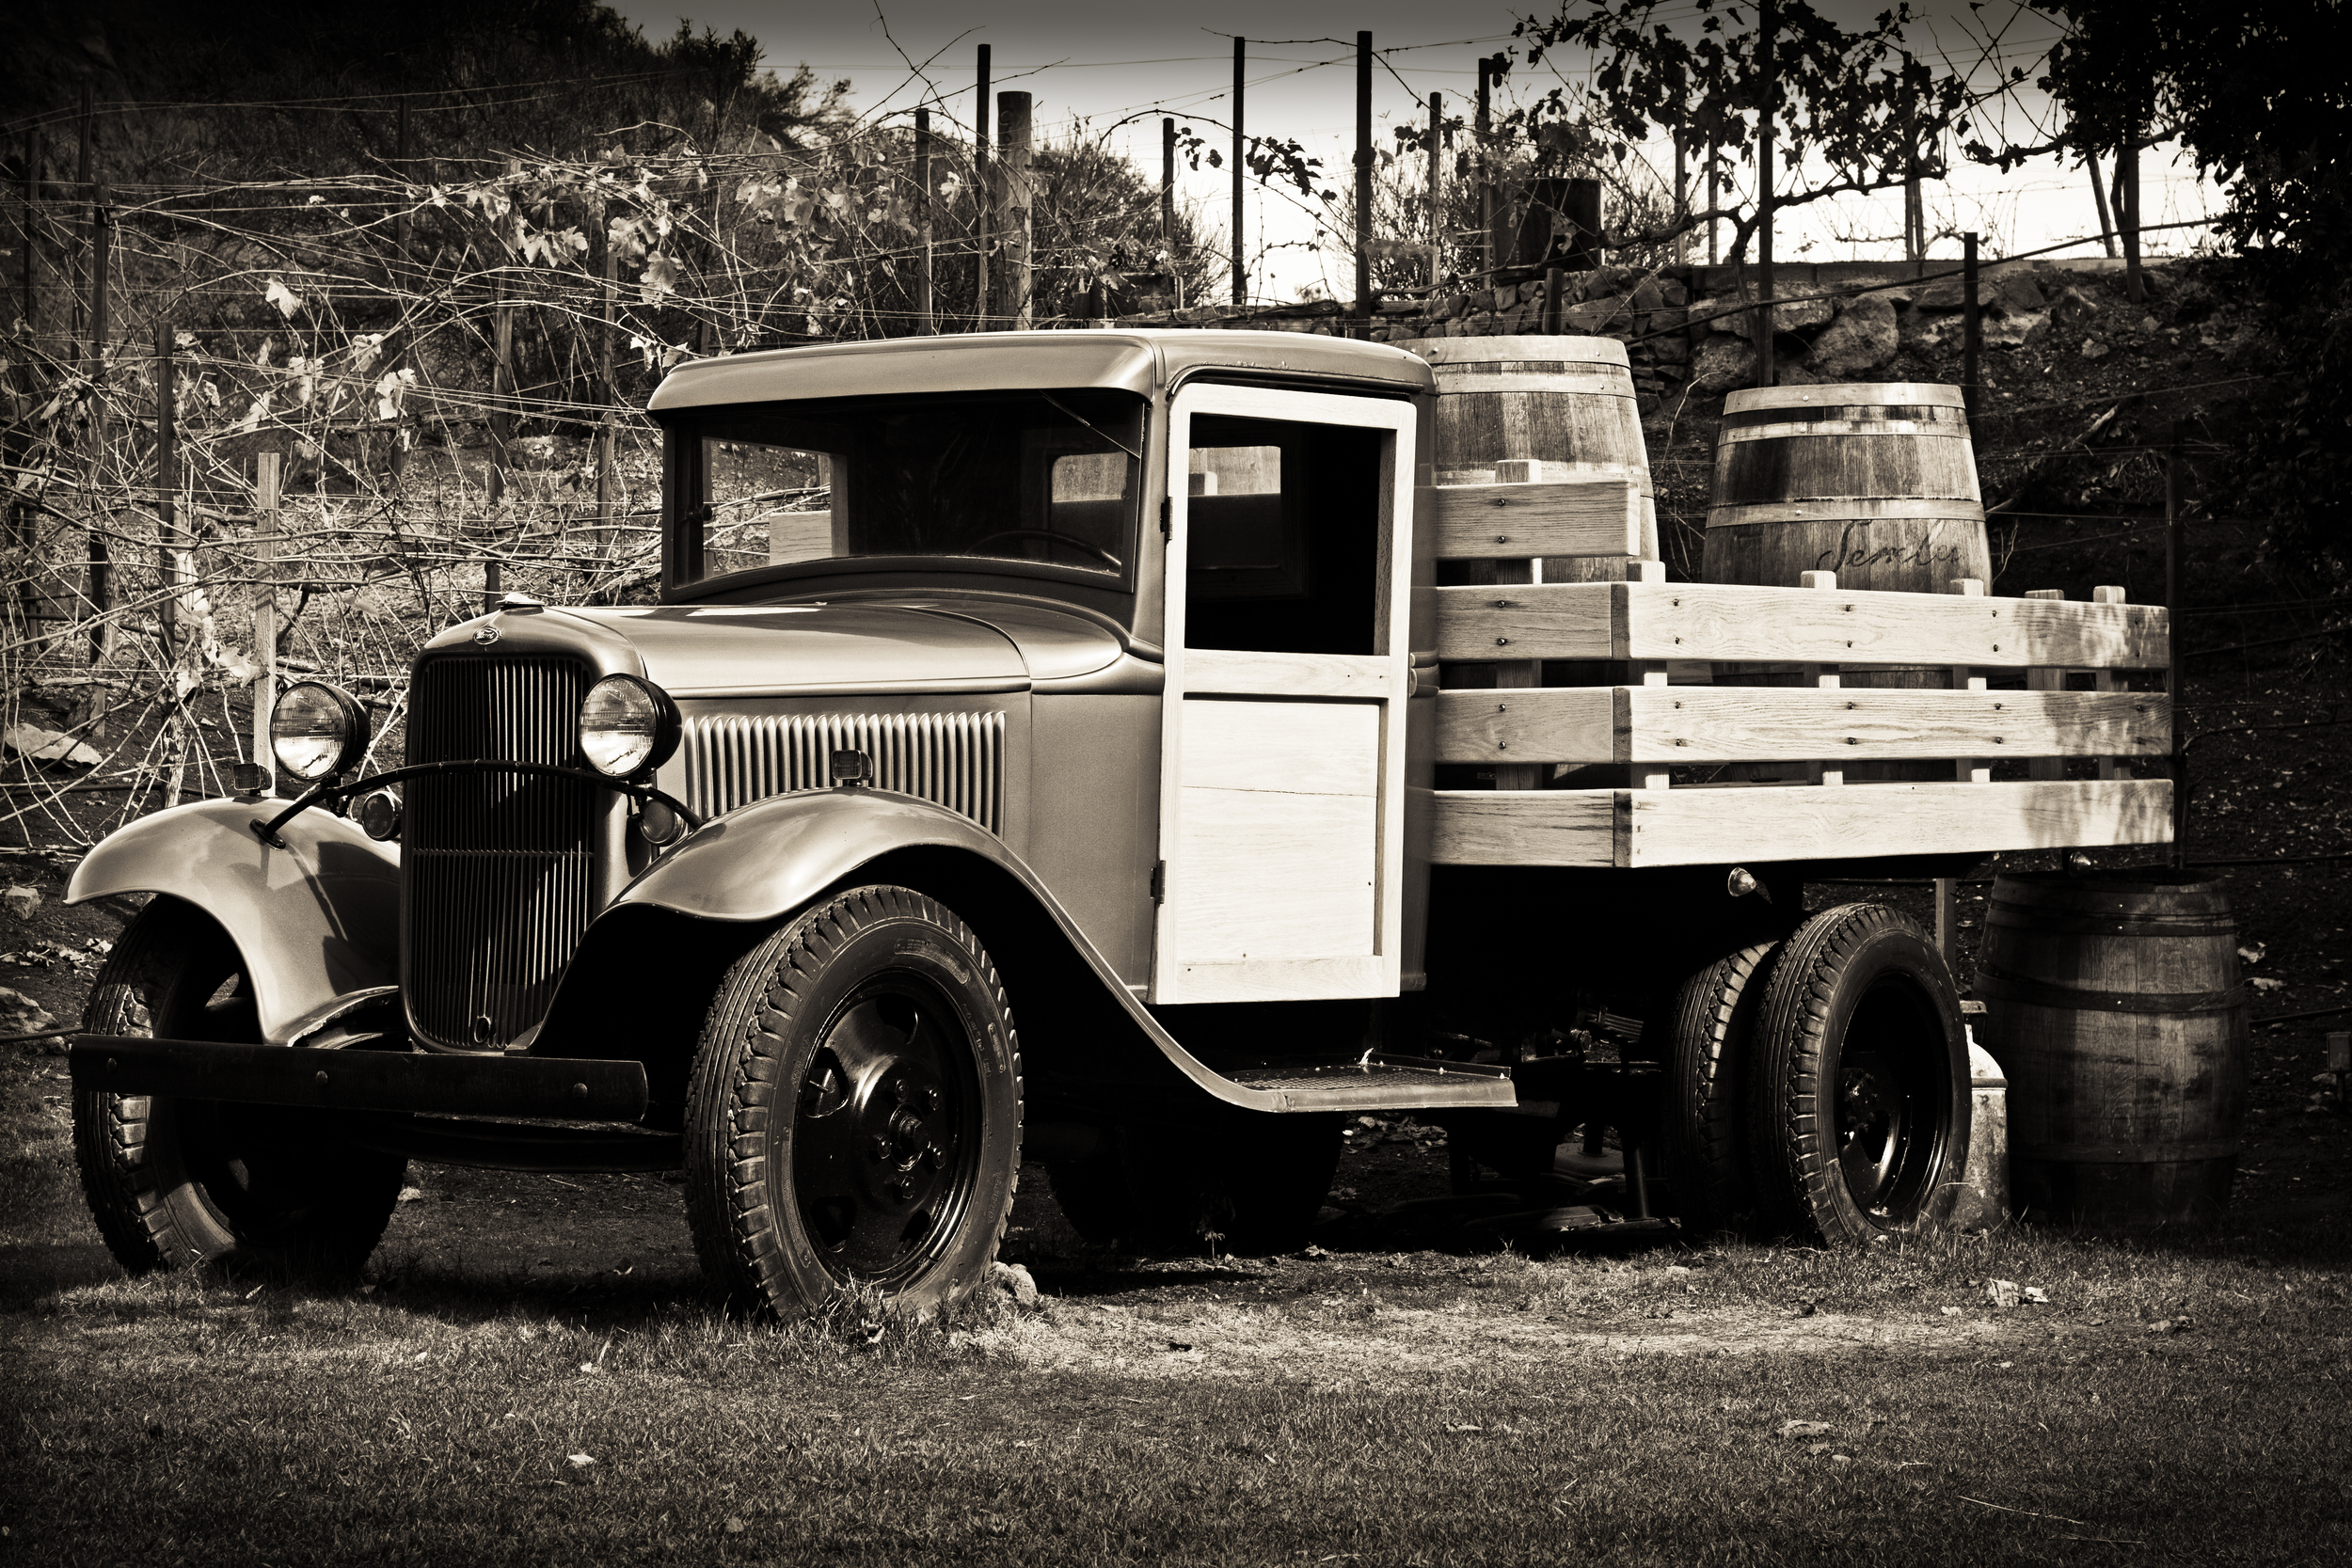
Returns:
(2011,291)
(2008,331)
(1787,374)
(1863,338)
(1724,365)
(1789,315)
(1591,315)
(21,901)
(2003,1292)
(1664,319)
(1944,293)
(21,1015)
(1015,1281)
(1446,309)
(2094,349)
(1670,351)
(1646,295)
(39,745)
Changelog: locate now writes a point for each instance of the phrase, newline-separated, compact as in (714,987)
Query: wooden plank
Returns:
(1795,822)
(1503,522)
(1753,723)
(1839,626)
(1534,826)
(1327,748)
(1236,674)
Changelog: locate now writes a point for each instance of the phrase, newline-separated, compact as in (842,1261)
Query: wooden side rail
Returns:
(1709,826)
(1511,522)
(1804,625)
(1692,724)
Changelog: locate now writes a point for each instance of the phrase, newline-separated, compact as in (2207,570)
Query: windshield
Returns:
(1050,479)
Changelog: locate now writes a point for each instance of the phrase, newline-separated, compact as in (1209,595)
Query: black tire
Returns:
(177,1182)
(1714,1023)
(1249,1186)
(1858,1100)
(854,1119)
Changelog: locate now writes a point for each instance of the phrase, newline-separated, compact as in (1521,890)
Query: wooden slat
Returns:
(1793,822)
(1841,626)
(1242,674)
(1285,980)
(1503,522)
(1689,724)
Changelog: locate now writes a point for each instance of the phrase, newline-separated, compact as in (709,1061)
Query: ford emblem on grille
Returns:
(486,635)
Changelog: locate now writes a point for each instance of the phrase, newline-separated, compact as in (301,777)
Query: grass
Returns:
(1422,1407)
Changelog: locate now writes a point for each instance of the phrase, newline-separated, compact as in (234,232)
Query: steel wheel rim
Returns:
(885,1133)
(1886,1105)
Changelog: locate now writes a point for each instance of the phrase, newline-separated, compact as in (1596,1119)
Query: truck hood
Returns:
(695,651)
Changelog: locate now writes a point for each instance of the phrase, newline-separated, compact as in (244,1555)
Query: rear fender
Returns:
(312,922)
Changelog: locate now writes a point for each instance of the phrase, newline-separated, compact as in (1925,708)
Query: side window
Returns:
(769,505)
(1283,537)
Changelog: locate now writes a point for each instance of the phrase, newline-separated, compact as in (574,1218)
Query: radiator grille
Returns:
(499,867)
(955,759)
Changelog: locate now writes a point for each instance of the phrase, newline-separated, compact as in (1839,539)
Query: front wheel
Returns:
(174,1182)
(855,1114)
(1858,1096)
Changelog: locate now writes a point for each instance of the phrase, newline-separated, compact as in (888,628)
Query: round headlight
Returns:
(627,725)
(316,729)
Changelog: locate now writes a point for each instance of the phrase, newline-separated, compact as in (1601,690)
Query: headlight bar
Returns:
(329,790)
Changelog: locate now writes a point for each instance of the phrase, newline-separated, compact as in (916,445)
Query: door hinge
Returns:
(1159,881)
(1167,516)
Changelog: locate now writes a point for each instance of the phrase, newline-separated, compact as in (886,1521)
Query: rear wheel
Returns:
(855,1114)
(1714,1023)
(1858,1101)
(172,1181)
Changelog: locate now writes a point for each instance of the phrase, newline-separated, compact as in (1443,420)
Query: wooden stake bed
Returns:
(1689,652)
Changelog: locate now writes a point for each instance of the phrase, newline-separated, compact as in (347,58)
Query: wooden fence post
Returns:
(1767,26)
(1168,209)
(1437,197)
(30,309)
(101,592)
(166,489)
(266,476)
(1241,164)
(1971,324)
(1013,218)
(1365,302)
(1482,126)
(2176,672)
(924,318)
(981,188)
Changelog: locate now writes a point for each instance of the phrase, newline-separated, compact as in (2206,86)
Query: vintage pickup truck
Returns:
(1042,746)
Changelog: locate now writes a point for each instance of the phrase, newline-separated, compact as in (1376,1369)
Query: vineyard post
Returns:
(2127,170)
(607,432)
(31,307)
(980,187)
(1489,260)
(1971,323)
(399,357)
(1767,25)
(501,395)
(1555,300)
(1241,58)
(1437,196)
(264,606)
(1682,198)
(1168,208)
(1365,302)
(166,492)
(1012,183)
(2176,570)
(101,586)
(1714,193)
(85,172)
(923,317)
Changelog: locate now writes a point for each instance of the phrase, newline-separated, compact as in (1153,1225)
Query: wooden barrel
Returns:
(1533,409)
(1874,482)
(2112,1002)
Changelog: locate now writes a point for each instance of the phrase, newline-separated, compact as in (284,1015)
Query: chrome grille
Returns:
(499,867)
(955,759)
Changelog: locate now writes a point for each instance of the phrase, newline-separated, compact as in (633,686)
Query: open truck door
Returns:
(1284,738)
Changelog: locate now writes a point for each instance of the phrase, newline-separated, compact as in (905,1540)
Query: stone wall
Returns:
(1684,325)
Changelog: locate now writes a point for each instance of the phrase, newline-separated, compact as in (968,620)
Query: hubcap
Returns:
(1891,1102)
(884,1141)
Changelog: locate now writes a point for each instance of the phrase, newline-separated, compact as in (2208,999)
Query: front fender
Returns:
(771,857)
(313,921)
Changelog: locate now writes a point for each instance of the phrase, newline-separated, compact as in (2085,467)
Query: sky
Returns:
(1100,64)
